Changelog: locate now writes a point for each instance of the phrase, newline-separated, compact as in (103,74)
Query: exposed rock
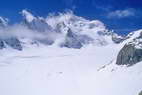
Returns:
(129,55)
(75,41)
(117,38)
(1,44)
(35,23)
(11,42)
(71,40)
(140,93)
(14,43)
(3,22)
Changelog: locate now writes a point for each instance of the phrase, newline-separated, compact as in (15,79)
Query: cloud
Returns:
(121,13)
(20,31)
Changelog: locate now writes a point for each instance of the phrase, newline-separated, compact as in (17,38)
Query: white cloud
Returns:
(122,13)
(21,31)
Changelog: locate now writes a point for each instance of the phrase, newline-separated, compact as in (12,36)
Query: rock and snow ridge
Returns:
(131,53)
(28,16)
(55,29)
(3,22)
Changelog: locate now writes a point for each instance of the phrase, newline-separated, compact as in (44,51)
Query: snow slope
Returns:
(62,71)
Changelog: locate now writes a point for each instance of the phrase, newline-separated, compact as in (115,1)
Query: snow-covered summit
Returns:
(28,16)
(3,22)
(94,29)
(35,23)
(70,19)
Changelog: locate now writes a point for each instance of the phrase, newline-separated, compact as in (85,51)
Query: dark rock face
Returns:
(1,44)
(45,41)
(129,55)
(114,36)
(140,93)
(75,41)
(117,40)
(71,40)
(14,43)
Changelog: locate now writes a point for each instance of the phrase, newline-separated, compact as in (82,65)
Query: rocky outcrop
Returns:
(117,39)
(13,43)
(71,40)
(3,22)
(75,41)
(140,93)
(1,44)
(35,23)
(9,40)
(129,55)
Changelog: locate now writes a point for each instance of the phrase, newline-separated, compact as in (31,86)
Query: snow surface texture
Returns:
(51,70)
(62,71)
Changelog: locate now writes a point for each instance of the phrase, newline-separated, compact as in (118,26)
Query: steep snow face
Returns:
(35,23)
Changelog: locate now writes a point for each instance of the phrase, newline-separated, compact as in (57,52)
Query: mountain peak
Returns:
(3,21)
(28,16)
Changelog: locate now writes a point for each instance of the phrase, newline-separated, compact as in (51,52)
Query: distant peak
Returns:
(28,16)
(3,21)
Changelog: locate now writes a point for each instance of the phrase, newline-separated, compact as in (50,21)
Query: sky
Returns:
(123,16)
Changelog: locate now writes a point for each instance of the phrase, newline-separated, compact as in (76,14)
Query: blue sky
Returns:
(121,15)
